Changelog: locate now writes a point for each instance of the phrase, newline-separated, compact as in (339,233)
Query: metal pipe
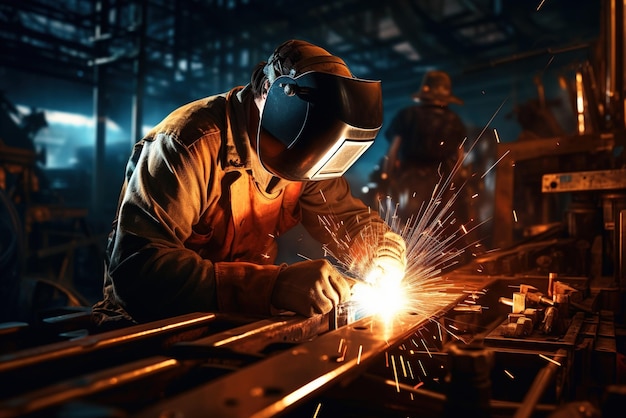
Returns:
(538,387)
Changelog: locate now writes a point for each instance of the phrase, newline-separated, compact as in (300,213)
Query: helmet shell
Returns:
(316,125)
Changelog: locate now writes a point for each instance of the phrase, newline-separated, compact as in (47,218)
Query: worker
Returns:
(424,145)
(210,188)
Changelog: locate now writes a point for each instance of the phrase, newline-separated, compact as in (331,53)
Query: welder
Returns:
(210,188)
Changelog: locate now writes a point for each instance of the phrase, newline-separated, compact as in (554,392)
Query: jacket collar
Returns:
(239,151)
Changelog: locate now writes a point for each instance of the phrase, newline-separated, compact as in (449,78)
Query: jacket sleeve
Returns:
(347,228)
(153,273)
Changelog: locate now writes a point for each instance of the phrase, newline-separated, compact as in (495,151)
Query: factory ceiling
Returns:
(189,48)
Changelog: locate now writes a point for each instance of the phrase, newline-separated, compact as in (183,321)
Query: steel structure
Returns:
(186,48)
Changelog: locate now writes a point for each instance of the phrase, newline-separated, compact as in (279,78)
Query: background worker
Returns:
(424,145)
(209,189)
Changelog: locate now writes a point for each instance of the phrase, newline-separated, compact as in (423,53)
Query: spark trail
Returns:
(435,241)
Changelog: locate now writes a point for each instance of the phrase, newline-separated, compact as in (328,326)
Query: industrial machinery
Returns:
(40,232)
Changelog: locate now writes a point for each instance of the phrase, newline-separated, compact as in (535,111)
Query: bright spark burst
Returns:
(382,300)
(433,237)
(430,237)
(435,241)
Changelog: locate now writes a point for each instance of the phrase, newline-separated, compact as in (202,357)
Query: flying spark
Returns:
(422,367)
(403,366)
(549,359)
(494,164)
(540,4)
(410,369)
(426,347)
(395,373)
(342,357)
(317,410)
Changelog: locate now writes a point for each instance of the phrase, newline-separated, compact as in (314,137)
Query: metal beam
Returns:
(280,382)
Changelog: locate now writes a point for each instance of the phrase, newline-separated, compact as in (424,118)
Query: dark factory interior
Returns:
(520,312)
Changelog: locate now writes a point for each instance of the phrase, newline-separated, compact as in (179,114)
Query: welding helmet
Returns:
(317,119)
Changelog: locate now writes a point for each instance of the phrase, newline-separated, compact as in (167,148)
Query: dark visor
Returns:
(317,125)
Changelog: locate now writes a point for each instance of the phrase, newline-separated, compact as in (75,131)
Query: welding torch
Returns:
(389,262)
(381,281)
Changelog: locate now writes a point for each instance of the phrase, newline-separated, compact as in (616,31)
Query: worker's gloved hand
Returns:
(389,261)
(310,287)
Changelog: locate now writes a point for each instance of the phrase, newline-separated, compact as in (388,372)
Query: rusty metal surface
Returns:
(584,180)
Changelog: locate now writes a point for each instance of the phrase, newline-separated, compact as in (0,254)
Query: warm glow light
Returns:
(580,103)
(389,275)
(380,297)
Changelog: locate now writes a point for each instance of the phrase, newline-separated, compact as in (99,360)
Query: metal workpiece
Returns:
(150,337)
(343,314)
(254,338)
(273,385)
(156,369)
(151,354)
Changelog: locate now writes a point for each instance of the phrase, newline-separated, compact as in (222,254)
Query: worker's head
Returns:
(317,119)
(436,88)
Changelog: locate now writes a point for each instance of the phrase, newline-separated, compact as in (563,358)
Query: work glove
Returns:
(310,287)
(389,263)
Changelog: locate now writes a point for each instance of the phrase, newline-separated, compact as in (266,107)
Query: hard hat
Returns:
(436,87)
(317,119)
